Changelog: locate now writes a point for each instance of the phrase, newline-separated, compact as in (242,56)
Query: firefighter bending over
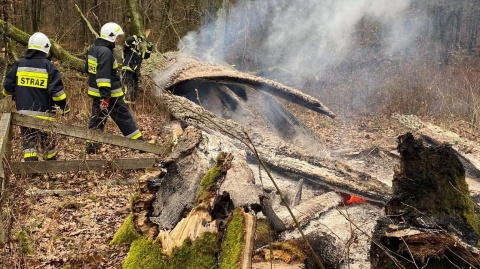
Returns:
(105,89)
(132,60)
(37,88)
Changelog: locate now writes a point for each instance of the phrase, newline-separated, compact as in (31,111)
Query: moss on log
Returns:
(57,51)
(263,233)
(232,244)
(431,221)
(144,253)
(126,233)
(199,254)
(431,182)
(209,181)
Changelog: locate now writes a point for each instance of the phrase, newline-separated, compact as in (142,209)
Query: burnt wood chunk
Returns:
(430,221)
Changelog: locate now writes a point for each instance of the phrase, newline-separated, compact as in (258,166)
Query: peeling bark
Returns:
(184,174)
(175,68)
(286,159)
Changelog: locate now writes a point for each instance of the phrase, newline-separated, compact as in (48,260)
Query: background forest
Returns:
(361,58)
(409,56)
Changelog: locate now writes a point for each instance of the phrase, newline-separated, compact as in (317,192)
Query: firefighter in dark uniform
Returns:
(37,88)
(105,88)
(133,56)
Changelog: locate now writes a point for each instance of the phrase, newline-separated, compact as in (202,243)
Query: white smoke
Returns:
(304,37)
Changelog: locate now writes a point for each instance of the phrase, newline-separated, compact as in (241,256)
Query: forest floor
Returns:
(74,231)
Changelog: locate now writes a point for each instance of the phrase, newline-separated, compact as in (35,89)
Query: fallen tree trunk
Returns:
(238,199)
(57,51)
(324,171)
(175,68)
(284,143)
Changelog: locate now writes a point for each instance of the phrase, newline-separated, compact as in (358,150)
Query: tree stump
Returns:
(430,221)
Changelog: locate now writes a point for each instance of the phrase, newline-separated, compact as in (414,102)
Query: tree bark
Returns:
(87,23)
(136,18)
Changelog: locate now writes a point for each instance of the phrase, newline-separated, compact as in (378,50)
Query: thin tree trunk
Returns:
(136,17)
(35,14)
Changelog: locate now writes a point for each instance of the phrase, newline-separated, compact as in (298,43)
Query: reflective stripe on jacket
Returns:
(35,83)
(132,55)
(102,69)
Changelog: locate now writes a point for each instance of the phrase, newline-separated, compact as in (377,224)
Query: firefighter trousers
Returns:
(33,140)
(131,85)
(118,111)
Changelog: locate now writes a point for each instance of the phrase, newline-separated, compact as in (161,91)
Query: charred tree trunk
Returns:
(431,222)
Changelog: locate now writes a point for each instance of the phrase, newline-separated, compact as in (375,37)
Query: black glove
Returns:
(149,46)
(140,38)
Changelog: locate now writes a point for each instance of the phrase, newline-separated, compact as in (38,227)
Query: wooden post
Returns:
(5,143)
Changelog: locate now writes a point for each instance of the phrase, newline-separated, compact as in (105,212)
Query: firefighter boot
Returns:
(51,156)
(31,159)
(30,156)
(92,148)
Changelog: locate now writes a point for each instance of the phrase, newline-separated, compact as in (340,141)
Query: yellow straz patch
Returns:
(92,66)
(32,82)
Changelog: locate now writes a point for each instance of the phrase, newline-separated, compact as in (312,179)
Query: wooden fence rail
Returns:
(7,120)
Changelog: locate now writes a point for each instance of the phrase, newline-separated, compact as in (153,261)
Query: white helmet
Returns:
(110,31)
(39,41)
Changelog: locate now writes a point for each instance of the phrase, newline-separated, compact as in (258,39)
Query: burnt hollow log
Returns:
(216,98)
(167,209)
(175,68)
(245,99)
(234,116)
(312,164)
(431,220)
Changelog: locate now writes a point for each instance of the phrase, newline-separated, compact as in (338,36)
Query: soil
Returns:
(74,231)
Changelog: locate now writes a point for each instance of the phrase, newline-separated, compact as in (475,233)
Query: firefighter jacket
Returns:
(133,55)
(36,86)
(102,69)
